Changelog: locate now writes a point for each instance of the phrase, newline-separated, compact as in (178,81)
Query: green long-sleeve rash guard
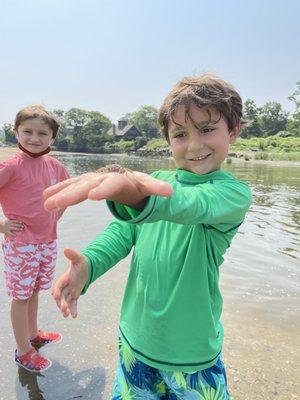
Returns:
(171,309)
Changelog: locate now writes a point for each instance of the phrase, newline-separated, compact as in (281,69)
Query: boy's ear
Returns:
(234,133)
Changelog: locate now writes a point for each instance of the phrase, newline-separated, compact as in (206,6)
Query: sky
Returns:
(116,56)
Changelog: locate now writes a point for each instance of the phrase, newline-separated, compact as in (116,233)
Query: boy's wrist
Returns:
(88,270)
(138,206)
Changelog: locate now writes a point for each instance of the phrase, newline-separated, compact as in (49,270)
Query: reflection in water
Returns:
(28,380)
(59,382)
(289,252)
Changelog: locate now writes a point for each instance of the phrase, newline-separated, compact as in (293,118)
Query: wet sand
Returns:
(262,358)
(6,152)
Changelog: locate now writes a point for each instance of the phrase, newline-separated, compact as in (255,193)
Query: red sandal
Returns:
(32,361)
(46,337)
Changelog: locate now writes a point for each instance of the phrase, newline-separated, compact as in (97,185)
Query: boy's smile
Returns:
(198,145)
(34,135)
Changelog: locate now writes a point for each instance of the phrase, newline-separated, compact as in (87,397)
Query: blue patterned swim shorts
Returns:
(138,381)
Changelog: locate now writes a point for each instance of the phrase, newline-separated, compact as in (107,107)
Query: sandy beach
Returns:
(6,152)
(262,358)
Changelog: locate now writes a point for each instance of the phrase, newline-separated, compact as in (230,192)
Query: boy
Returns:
(29,245)
(180,224)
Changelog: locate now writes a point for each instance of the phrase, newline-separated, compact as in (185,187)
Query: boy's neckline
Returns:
(185,176)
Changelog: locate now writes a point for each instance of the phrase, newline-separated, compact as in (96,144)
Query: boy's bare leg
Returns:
(19,320)
(32,315)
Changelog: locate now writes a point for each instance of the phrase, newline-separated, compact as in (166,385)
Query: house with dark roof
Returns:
(123,130)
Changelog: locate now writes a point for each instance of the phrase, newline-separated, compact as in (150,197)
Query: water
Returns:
(260,280)
(262,265)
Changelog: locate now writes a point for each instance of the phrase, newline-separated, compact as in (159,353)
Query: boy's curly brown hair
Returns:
(205,91)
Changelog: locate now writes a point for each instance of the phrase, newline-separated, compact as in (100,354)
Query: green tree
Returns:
(140,142)
(62,142)
(59,114)
(85,130)
(96,123)
(145,119)
(74,121)
(272,118)
(94,131)
(9,133)
(293,124)
(95,142)
(251,113)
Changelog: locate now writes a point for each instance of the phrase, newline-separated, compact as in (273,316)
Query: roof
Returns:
(114,131)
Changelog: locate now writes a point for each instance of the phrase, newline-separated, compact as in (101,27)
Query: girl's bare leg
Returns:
(32,315)
(19,320)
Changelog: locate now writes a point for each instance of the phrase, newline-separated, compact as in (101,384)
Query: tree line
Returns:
(86,131)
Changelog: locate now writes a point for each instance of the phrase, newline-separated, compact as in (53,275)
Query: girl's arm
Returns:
(9,226)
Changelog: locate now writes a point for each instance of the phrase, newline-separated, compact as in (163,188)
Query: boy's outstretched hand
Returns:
(127,187)
(69,286)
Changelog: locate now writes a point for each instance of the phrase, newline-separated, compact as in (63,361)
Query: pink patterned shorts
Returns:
(28,267)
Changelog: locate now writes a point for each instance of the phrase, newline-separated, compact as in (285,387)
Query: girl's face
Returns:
(198,146)
(34,135)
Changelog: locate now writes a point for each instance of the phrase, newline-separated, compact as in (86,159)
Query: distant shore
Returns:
(8,151)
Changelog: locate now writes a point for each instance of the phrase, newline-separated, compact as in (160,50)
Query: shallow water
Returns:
(260,278)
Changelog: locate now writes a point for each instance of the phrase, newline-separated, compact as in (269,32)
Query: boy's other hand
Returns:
(69,286)
(10,226)
(130,188)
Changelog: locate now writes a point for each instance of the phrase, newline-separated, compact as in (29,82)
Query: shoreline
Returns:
(8,151)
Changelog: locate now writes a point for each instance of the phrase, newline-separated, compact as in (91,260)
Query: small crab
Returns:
(112,168)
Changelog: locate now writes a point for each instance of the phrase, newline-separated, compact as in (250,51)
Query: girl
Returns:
(29,245)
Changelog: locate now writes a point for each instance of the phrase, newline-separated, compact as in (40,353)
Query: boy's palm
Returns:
(69,286)
(130,188)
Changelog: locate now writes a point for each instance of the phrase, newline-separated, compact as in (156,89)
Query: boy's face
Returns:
(197,146)
(34,135)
